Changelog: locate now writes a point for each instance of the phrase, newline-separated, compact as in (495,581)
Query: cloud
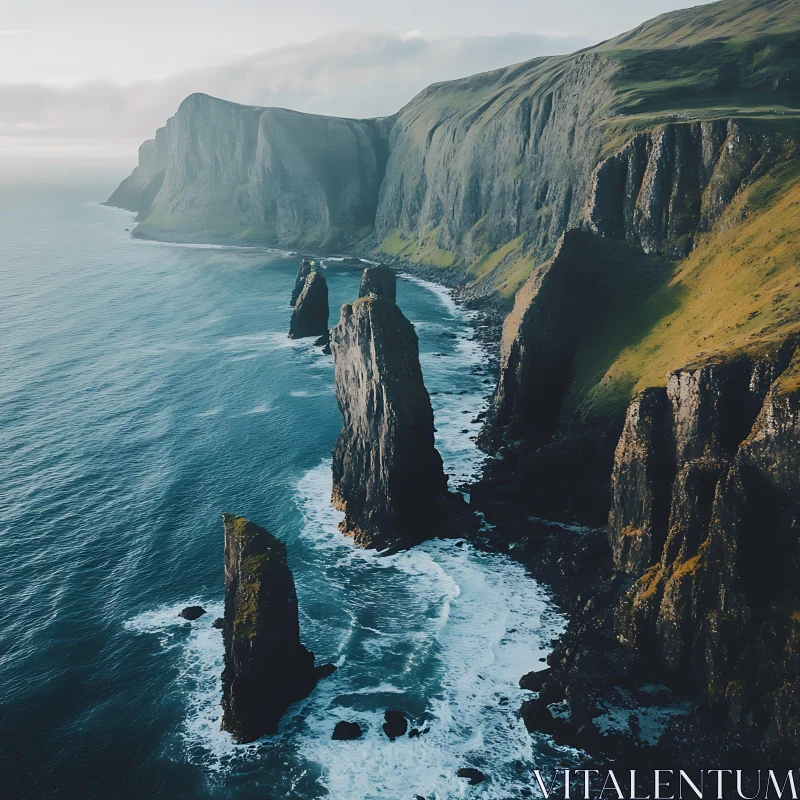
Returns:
(356,74)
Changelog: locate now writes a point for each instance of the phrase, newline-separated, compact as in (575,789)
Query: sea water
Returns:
(146,389)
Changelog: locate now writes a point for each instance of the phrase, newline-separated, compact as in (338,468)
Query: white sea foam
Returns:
(485,624)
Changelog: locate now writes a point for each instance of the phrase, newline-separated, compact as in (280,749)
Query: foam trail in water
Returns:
(477,625)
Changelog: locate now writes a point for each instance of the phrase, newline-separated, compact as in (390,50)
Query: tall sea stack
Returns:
(266,667)
(387,474)
(380,281)
(310,317)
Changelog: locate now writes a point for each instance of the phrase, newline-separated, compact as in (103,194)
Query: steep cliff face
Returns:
(480,162)
(267,175)
(137,191)
(387,474)
(310,315)
(266,667)
(716,603)
(673,182)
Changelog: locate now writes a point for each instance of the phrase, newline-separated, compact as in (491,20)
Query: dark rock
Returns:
(387,475)
(192,612)
(379,281)
(473,776)
(533,681)
(325,671)
(266,667)
(346,731)
(637,524)
(396,724)
(306,268)
(218,623)
(310,315)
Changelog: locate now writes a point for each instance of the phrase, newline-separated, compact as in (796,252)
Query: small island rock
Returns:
(346,731)
(266,667)
(310,316)
(192,613)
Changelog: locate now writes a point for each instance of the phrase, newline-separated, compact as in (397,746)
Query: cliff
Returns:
(264,175)
(310,315)
(714,601)
(482,175)
(266,667)
(138,190)
(387,475)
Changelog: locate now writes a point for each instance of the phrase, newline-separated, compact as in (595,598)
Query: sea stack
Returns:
(266,667)
(310,317)
(387,474)
(306,266)
(379,281)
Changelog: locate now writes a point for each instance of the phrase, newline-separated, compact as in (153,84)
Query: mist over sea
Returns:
(146,389)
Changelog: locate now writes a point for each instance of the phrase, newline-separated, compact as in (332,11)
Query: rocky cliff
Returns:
(138,190)
(484,174)
(266,667)
(387,475)
(711,539)
(267,175)
(310,315)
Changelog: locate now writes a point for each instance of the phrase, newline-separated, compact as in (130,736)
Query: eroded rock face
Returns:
(379,281)
(306,266)
(667,185)
(266,667)
(718,605)
(387,474)
(310,316)
(639,499)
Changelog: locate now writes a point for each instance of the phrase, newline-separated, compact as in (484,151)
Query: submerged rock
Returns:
(218,623)
(266,667)
(306,267)
(379,281)
(192,612)
(346,731)
(396,724)
(310,317)
(387,475)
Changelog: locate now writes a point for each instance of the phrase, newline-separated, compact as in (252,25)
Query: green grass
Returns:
(737,291)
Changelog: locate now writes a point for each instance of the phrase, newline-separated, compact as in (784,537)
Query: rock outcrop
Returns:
(714,602)
(674,181)
(387,474)
(266,667)
(306,266)
(379,281)
(310,315)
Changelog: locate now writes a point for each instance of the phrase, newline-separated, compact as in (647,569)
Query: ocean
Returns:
(146,389)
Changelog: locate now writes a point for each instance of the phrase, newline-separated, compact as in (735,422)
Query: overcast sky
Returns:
(92,78)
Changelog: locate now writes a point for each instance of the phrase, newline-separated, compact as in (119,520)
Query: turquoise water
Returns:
(148,388)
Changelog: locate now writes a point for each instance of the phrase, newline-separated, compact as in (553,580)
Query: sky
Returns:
(88,80)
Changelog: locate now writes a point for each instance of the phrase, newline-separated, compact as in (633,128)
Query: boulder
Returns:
(192,613)
(346,731)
